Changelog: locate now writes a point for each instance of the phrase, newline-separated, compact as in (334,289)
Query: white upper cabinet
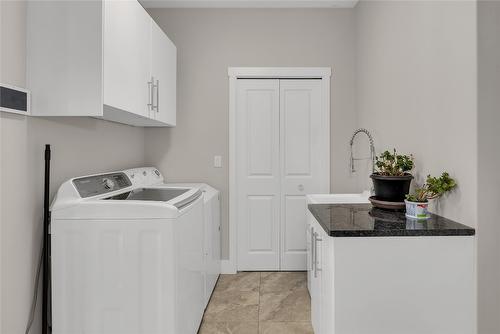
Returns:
(64,58)
(127,56)
(164,74)
(105,59)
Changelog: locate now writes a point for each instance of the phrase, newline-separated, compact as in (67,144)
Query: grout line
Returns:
(258,308)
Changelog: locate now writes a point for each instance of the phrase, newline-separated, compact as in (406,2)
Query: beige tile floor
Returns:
(259,302)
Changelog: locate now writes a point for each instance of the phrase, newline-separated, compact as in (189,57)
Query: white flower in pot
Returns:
(434,187)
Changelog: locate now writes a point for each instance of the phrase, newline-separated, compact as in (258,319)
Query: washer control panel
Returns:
(101,184)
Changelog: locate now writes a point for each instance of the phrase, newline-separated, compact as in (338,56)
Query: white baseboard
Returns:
(227,267)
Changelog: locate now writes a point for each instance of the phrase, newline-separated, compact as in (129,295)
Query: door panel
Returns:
(302,147)
(296,113)
(260,223)
(257,174)
(260,131)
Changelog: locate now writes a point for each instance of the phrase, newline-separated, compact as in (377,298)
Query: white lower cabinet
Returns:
(104,59)
(390,285)
(320,277)
(316,281)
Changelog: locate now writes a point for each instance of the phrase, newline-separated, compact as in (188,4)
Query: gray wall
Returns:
(488,166)
(417,91)
(80,146)
(208,42)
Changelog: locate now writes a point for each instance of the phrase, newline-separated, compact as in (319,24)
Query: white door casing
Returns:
(275,164)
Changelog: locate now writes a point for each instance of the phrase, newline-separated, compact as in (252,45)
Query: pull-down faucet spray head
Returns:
(372,148)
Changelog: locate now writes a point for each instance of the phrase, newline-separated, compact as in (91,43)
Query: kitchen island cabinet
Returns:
(376,272)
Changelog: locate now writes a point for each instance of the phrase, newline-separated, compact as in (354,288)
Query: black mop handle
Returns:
(46,218)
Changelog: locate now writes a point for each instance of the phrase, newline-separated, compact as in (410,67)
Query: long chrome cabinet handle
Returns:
(315,254)
(151,88)
(157,96)
(316,269)
(312,249)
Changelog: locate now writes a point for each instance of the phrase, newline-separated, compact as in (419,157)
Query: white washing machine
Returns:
(128,255)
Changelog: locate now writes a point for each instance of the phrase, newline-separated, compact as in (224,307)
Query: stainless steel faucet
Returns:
(372,149)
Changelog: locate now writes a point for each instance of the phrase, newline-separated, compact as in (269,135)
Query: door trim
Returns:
(230,266)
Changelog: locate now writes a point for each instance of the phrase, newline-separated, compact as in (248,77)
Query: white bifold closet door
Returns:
(282,154)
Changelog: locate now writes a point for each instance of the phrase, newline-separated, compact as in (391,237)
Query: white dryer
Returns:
(211,234)
(127,255)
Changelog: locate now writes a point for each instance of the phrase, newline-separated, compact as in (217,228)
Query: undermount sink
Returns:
(361,198)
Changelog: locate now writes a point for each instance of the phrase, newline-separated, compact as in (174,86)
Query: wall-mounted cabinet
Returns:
(103,59)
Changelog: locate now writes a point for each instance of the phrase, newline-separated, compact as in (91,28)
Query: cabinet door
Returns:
(309,251)
(325,266)
(64,57)
(316,280)
(164,71)
(127,56)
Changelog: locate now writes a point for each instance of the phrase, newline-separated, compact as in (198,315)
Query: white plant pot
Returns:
(417,210)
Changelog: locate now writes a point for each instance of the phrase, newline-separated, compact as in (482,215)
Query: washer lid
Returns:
(149,194)
(139,203)
(178,197)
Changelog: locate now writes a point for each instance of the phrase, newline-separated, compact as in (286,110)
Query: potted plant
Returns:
(434,187)
(392,179)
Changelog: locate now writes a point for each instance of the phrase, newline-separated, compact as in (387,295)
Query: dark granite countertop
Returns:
(362,220)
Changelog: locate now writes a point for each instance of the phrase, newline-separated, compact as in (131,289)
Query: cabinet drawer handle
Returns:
(151,89)
(315,258)
(157,95)
(312,250)
(316,269)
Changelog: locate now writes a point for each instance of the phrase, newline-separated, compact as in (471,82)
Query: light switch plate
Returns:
(217,161)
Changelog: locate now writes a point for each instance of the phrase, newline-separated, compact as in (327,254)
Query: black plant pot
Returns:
(391,188)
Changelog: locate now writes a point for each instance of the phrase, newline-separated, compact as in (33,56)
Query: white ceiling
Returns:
(248,3)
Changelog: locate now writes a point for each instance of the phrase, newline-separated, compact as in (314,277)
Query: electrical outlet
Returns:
(217,161)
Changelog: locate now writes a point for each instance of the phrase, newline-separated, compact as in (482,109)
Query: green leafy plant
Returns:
(434,187)
(393,164)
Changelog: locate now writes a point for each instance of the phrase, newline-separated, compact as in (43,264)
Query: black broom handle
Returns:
(46,218)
